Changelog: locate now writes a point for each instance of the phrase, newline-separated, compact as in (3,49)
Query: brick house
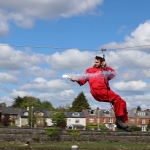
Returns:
(139,118)
(100,116)
(78,120)
(107,116)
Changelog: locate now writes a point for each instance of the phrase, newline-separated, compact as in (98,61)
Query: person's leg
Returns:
(118,103)
(120,110)
(119,106)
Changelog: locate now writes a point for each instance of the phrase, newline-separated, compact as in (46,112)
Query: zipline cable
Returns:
(61,48)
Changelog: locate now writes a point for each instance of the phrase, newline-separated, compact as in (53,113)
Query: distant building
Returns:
(75,120)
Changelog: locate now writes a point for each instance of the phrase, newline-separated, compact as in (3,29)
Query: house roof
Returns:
(131,114)
(43,110)
(75,114)
(11,111)
(102,113)
(143,114)
(49,113)
(16,111)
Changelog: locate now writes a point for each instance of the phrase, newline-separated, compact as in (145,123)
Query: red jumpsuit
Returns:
(99,87)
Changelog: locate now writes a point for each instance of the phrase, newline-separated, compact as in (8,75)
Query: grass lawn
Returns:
(81,145)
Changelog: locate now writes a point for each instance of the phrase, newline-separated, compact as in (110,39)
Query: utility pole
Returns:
(98,121)
(31,115)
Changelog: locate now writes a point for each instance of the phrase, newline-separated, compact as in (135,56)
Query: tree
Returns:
(138,108)
(59,119)
(48,105)
(148,126)
(2,106)
(29,101)
(79,103)
(63,107)
(17,102)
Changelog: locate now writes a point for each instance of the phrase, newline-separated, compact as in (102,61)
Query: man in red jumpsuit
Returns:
(98,78)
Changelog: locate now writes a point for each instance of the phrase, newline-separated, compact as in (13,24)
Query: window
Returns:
(143,121)
(75,114)
(141,113)
(91,120)
(107,112)
(92,112)
(104,120)
(110,120)
(77,121)
(25,113)
(14,116)
(132,121)
(143,128)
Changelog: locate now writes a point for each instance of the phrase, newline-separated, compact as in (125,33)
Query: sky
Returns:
(42,40)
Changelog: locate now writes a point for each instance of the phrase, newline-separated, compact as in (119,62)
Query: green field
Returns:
(81,145)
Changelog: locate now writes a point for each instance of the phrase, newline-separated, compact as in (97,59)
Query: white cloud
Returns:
(129,75)
(140,36)
(20,93)
(146,73)
(60,98)
(24,13)
(4,26)
(39,72)
(13,94)
(132,59)
(6,99)
(8,78)
(40,84)
(122,29)
(15,59)
(132,86)
(138,100)
(71,59)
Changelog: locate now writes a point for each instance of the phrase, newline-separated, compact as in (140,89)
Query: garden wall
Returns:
(23,135)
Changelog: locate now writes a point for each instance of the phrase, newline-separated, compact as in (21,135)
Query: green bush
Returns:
(90,127)
(95,127)
(53,133)
(135,128)
(75,133)
(103,127)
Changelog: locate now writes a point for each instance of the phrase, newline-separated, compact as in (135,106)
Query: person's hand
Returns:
(73,79)
(103,64)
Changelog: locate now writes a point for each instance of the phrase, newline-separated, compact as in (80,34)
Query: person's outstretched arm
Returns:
(82,80)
